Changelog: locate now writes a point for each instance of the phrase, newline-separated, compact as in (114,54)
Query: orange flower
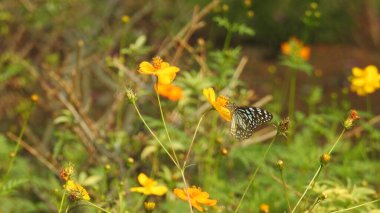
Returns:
(295,47)
(169,91)
(149,186)
(196,196)
(220,103)
(161,69)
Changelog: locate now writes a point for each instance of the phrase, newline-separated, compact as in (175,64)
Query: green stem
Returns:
(285,190)
(98,207)
(62,200)
(192,141)
(186,190)
(163,121)
(155,137)
(19,138)
(318,171)
(317,200)
(254,174)
(292,99)
(227,41)
(309,186)
(354,207)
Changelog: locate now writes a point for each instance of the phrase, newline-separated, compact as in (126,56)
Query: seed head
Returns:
(130,95)
(280,165)
(325,158)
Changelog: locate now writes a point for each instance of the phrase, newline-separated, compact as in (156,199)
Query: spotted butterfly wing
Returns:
(246,119)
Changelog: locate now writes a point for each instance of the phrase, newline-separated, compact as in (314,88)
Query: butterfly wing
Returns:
(246,119)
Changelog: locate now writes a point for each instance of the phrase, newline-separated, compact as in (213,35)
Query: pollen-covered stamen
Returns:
(157,61)
(222,101)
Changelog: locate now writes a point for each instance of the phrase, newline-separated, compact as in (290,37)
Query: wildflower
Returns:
(220,103)
(264,208)
(161,69)
(149,206)
(34,98)
(149,186)
(67,172)
(366,81)
(325,158)
(295,47)
(197,197)
(76,191)
(352,117)
(169,91)
(125,19)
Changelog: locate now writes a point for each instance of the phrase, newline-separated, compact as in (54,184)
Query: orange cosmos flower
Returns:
(164,72)
(295,47)
(196,196)
(220,103)
(169,91)
(149,186)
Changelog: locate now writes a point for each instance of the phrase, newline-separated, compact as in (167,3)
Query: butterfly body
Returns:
(246,119)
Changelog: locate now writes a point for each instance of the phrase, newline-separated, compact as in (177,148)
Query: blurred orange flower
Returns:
(169,91)
(164,72)
(264,208)
(149,186)
(196,196)
(365,81)
(220,103)
(295,47)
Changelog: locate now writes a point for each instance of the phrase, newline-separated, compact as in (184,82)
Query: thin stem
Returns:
(98,207)
(163,121)
(317,200)
(318,171)
(62,200)
(192,141)
(187,190)
(254,174)
(285,190)
(155,137)
(308,187)
(19,138)
(292,99)
(227,41)
(337,140)
(354,207)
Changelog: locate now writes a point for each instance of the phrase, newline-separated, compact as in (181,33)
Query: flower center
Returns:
(157,61)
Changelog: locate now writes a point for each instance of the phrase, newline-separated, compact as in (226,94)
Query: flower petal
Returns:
(143,190)
(209,93)
(159,190)
(146,68)
(143,179)
(166,77)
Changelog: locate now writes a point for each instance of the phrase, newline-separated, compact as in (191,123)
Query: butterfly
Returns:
(246,119)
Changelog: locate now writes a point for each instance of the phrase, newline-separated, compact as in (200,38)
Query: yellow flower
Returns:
(169,91)
(149,206)
(295,47)
(34,97)
(220,103)
(366,81)
(164,72)
(76,191)
(196,196)
(125,18)
(149,186)
(264,208)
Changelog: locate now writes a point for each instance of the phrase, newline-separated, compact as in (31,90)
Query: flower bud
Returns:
(149,206)
(280,165)
(224,151)
(325,158)
(34,98)
(322,196)
(264,208)
(130,95)
(353,116)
